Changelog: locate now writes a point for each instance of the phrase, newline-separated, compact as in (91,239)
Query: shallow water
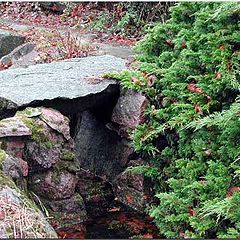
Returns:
(119,222)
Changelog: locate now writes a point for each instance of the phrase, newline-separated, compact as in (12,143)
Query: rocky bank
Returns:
(64,142)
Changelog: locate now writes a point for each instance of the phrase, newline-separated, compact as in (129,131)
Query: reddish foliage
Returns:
(221,47)
(118,10)
(71,233)
(136,81)
(169,42)
(120,39)
(129,198)
(139,225)
(193,88)
(232,190)
(151,80)
(191,212)
(184,45)
(5,66)
(147,235)
(218,75)
(122,217)
(115,209)
(146,196)
(197,109)
(32,14)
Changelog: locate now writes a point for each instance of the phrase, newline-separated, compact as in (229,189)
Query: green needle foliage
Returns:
(188,68)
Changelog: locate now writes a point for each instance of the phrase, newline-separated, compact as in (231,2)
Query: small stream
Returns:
(120,222)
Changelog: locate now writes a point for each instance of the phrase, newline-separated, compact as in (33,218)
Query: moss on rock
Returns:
(38,134)
(67,155)
(2,157)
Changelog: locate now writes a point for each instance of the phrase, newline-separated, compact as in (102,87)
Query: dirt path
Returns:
(116,50)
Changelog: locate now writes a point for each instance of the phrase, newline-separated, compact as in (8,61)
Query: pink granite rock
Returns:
(54,185)
(15,168)
(132,189)
(129,110)
(56,121)
(13,127)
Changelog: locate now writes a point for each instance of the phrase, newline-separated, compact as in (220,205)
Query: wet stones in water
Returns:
(121,222)
(96,192)
(133,189)
(117,223)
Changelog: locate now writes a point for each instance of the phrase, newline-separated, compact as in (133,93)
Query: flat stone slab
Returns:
(13,127)
(68,79)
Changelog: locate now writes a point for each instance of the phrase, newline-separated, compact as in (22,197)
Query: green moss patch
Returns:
(2,157)
(38,134)
(67,155)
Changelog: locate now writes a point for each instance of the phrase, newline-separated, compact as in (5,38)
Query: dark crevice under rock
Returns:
(101,109)
(100,104)
(69,107)
(7,108)
(99,149)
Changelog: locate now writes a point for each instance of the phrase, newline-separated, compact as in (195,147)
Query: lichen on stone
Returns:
(14,129)
(67,155)
(2,158)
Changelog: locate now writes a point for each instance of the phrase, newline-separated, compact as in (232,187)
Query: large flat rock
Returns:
(66,80)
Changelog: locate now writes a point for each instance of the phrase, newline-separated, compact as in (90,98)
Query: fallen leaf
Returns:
(115,209)
(147,235)
(218,75)
(193,88)
(232,190)
(222,47)
(198,109)
(191,212)
(129,198)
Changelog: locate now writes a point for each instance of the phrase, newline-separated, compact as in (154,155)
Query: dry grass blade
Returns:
(20,220)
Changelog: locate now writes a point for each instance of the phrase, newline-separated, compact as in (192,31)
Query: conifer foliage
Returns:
(189,70)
